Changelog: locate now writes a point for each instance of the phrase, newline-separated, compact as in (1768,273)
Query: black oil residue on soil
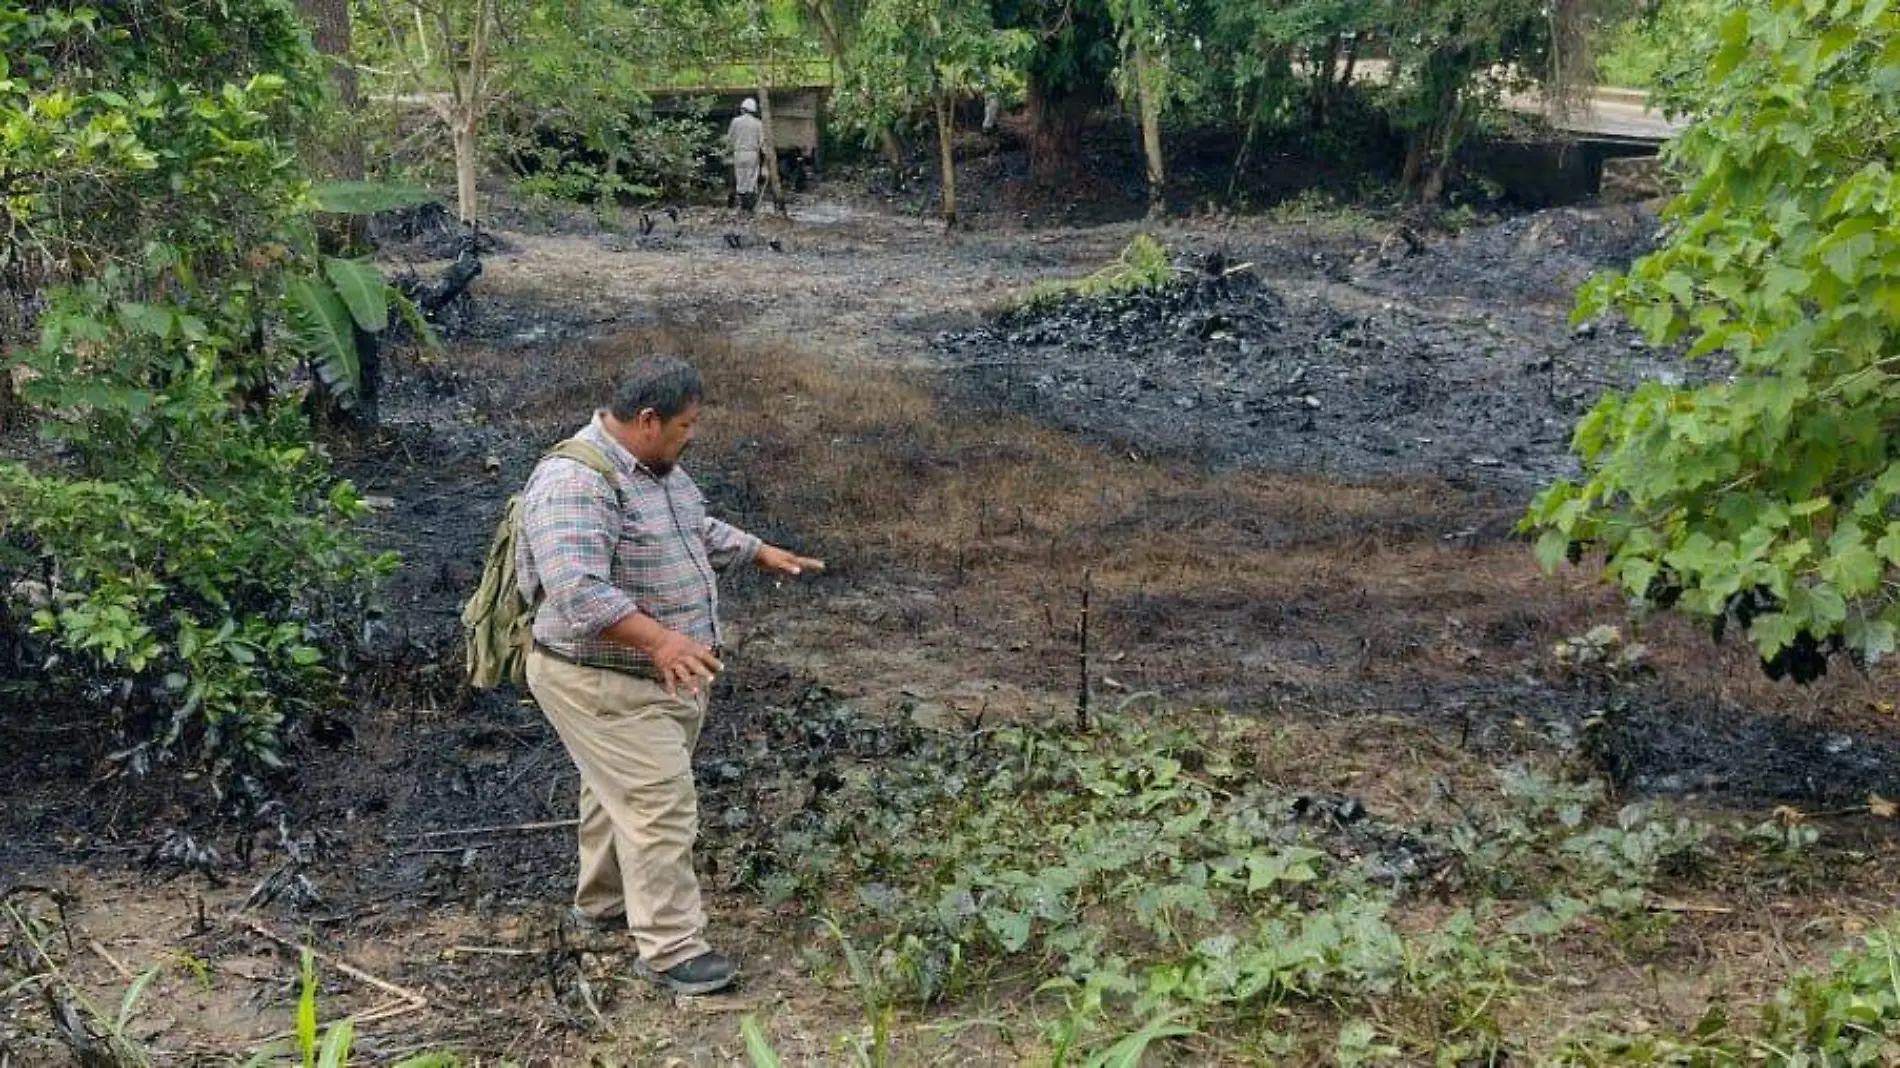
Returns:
(1342,372)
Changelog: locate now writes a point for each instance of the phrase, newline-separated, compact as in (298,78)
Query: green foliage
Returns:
(1258,45)
(1144,872)
(185,546)
(1142,266)
(1848,1015)
(212,605)
(1768,493)
(1143,890)
(643,160)
(367,198)
(906,51)
(561,90)
(1655,47)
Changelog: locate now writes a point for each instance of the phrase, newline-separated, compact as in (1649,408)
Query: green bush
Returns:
(635,160)
(1767,495)
(183,547)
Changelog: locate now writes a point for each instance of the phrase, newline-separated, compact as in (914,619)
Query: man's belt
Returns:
(618,669)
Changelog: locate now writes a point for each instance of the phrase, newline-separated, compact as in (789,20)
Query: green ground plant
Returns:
(1143,266)
(1844,1015)
(1144,885)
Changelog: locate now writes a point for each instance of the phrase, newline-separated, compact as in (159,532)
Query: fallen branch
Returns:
(342,966)
(125,973)
(505,828)
(493,951)
(1687,907)
(388,1010)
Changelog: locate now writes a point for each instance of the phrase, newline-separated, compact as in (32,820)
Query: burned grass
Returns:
(1378,651)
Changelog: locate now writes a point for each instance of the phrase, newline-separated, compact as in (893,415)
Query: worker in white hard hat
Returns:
(746,136)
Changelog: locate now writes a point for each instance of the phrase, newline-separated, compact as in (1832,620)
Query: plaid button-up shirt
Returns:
(598,553)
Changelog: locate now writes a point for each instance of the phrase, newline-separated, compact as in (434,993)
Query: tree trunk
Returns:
(947,156)
(1056,120)
(893,150)
(342,155)
(828,28)
(1415,152)
(769,151)
(1320,82)
(462,132)
(1148,89)
(9,399)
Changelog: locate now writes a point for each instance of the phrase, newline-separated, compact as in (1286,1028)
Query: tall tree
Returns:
(837,22)
(917,54)
(329,22)
(1067,74)
(1148,32)
(1458,57)
(446,52)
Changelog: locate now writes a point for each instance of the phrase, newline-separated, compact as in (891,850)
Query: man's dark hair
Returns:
(666,384)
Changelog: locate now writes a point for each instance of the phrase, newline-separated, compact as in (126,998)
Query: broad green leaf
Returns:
(307,1011)
(129,1003)
(321,327)
(363,291)
(1131,1048)
(757,1047)
(336,1044)
(368,198)
(1772,632)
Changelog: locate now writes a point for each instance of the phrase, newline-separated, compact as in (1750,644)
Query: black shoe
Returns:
(587,923)
(705,974)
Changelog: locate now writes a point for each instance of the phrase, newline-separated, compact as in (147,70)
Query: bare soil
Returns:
(1289,491)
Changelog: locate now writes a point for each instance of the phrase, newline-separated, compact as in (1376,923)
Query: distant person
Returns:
(627,641)
(746,136)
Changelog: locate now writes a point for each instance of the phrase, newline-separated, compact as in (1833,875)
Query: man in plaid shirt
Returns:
(622,570)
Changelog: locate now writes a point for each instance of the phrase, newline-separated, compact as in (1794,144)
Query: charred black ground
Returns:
(1449,375)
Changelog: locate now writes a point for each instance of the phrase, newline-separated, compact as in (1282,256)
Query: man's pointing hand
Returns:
(780,562)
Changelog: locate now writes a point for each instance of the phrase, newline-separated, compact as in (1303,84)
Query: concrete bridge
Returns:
(1621,116)
(797,110)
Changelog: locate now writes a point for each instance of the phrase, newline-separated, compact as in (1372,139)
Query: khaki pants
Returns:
(633,743)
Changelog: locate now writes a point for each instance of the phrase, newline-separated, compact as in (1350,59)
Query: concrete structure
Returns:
(797,111)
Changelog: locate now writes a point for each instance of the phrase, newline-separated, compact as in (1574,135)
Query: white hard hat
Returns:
(749,104)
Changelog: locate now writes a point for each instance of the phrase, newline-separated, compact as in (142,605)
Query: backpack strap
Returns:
(584,453)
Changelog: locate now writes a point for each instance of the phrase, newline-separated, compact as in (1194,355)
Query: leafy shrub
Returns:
(1142,266)
(184,554)
(635,159)
(1144,874)
(1766,496)
(1846,1015)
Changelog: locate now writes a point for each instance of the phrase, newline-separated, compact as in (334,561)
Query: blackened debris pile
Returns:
(1310,374)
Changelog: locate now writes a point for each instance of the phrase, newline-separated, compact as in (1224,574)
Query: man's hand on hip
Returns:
(780,562)
(679,660)
(683,662)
